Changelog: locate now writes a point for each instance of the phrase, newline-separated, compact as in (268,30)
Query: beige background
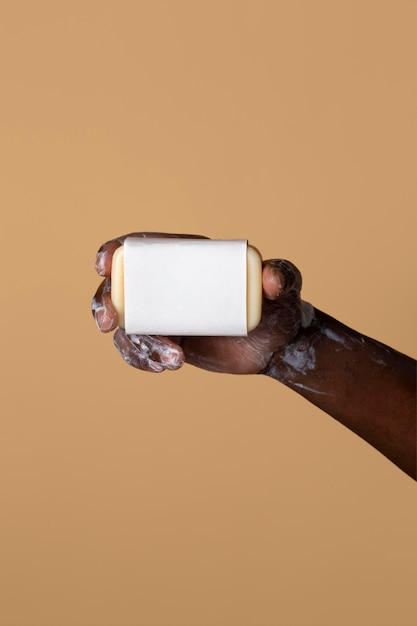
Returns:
(194,499)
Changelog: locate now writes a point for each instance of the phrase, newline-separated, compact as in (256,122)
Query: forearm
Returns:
(365,385)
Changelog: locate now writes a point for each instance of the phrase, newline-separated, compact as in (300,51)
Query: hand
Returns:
(283,313)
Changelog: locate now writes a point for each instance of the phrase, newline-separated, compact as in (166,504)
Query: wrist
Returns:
(296,358)
(366,385)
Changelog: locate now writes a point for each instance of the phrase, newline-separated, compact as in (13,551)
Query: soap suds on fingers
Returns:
(152,353)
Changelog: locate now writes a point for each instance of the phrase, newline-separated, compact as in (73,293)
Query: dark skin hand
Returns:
(365,385)
(280,322)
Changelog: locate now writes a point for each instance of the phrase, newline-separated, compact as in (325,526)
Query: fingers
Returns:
(151,354)
(105,253)
(104,256)
(281,308)
(102,308)
(279,277)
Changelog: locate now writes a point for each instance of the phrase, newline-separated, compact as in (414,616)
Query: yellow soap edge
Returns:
(118,285)
(253,288)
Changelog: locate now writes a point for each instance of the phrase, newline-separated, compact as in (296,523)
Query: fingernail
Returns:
(103,319)
(100,264)
(98,315)
(273,282)
(288,275)
(155,367)
(172,359)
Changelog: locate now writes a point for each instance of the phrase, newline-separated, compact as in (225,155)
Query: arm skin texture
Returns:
(365,385)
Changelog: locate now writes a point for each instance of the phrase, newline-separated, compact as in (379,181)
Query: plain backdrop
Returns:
(189,498)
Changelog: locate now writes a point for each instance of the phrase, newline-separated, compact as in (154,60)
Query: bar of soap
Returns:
(164,286)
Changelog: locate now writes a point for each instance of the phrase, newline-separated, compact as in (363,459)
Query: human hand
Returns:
(282,315)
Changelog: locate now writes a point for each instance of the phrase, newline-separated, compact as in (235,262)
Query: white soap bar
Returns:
(168,286)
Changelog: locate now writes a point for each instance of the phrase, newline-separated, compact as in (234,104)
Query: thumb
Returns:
(279,277)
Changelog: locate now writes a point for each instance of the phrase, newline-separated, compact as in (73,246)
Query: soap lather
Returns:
(165,286)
